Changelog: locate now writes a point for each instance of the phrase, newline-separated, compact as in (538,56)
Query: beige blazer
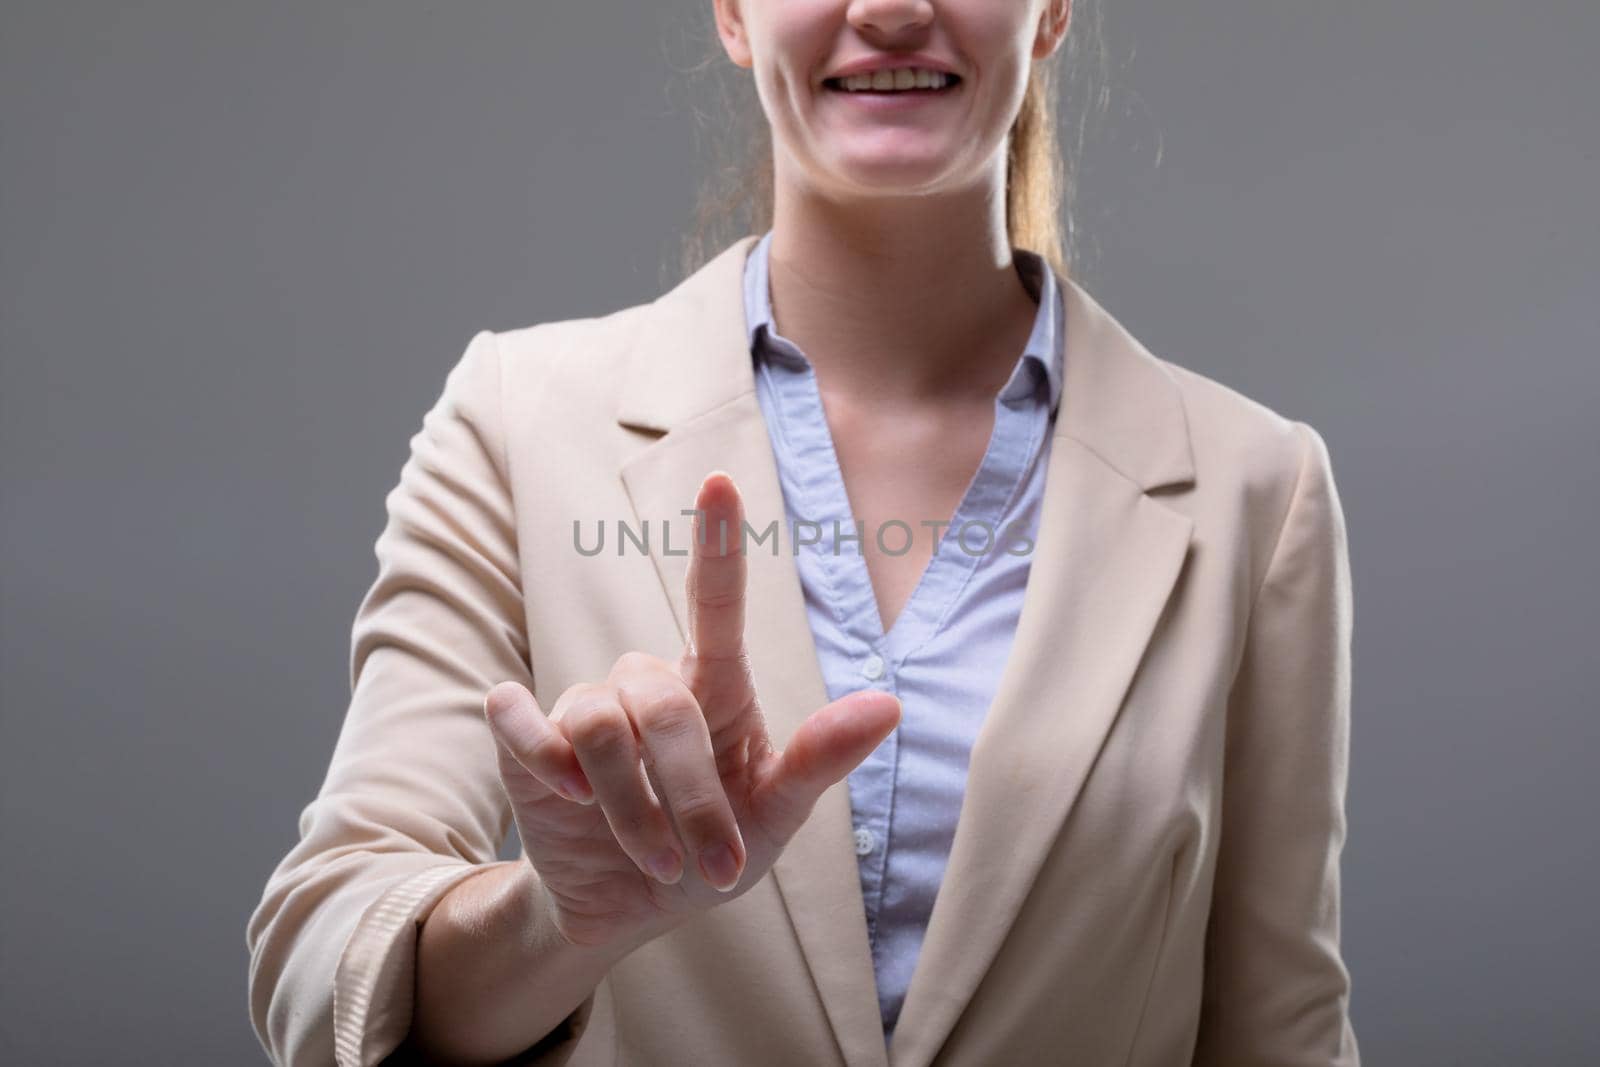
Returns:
(1145,871)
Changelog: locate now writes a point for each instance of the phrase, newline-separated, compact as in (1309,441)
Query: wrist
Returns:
(541,933)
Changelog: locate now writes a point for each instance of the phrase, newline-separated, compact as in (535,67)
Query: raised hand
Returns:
(657,793)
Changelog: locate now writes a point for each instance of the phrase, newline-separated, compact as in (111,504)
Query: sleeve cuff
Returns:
(375,982)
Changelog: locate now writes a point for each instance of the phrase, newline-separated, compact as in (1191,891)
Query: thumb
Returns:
(826,748)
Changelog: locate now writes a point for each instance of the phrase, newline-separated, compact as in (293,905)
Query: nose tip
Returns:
(890,16)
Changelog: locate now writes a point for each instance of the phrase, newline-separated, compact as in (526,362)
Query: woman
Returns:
(1064,784)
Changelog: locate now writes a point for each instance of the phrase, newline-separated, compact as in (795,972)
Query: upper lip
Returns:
(891,61)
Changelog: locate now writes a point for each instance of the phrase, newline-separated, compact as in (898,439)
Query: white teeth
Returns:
(900,78)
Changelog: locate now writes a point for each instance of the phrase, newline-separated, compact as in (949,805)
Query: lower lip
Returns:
(896,101)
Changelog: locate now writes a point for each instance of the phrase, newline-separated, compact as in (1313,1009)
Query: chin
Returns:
(890,173)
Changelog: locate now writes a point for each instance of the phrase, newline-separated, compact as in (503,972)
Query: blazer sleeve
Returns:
(412,802)
(1276,990)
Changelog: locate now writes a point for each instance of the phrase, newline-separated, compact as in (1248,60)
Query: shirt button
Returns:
(873,667)
(864,841)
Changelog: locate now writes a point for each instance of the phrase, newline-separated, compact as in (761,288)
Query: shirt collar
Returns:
(1044,349)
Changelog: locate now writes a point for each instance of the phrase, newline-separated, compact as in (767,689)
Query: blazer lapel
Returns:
(1105,563)
(1107,558)
(691,376)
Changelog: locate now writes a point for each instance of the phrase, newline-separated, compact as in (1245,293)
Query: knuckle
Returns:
(586,698)
(546,751)
(718,598)
(576,697)
(738,659)
(635,662)
(662,711)
(600,727)
(700,811)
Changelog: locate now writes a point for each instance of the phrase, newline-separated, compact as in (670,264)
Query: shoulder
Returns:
(1246,452)
(1163,422)
(573,363)
(1231,426)
(570,356)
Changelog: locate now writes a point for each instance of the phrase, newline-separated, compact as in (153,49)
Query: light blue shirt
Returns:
(945,651)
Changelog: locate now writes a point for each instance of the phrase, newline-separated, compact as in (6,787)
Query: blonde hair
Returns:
(736,196)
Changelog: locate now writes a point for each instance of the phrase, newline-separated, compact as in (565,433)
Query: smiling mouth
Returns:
(952,81)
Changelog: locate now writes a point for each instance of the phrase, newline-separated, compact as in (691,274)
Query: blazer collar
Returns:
(1043,346)
(1106,560)
(1117,399)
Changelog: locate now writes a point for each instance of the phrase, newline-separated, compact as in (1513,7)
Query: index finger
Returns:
(717,571)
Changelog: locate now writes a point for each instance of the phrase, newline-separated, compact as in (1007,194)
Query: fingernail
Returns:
(719,866)
(665,867)
(575,790)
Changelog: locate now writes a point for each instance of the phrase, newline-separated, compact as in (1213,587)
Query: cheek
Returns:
(798,36)
(996,37)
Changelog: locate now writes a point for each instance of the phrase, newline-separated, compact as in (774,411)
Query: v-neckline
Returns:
(990,492)
(1019,435)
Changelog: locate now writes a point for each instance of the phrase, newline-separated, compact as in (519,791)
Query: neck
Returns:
(900,298)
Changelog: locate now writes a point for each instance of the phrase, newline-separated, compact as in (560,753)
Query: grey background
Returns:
(241,244)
